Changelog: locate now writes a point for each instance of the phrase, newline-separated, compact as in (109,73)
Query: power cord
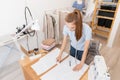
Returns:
(36,49)
(31,33)
(28,44)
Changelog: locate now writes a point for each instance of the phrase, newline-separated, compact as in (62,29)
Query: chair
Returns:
(93,50)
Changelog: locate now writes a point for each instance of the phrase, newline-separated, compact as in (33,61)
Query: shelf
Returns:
(101,33)
(106,10)
(109,3)
(102,28)
(105,17)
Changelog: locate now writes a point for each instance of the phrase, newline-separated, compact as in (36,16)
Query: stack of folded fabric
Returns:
(48,44)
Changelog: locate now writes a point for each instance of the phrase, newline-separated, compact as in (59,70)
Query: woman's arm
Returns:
(62,48)
(80,65)
(87,42)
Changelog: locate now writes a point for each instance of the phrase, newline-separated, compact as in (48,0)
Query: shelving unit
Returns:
(104,30)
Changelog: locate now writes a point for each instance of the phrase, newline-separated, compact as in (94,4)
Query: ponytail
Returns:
(76,17)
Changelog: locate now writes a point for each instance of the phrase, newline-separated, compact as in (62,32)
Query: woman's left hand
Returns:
(78,67)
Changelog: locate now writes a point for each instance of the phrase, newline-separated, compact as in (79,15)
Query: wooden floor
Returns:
(112,58)
(111,55)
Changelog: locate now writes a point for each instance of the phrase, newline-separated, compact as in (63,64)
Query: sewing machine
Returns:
(98,71)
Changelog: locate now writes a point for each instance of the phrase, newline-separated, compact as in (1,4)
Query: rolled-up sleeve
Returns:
(65,31)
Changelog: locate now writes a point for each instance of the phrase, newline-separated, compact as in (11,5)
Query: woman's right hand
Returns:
(59,58)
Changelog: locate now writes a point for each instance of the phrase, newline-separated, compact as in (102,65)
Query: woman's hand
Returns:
(78,67)
(59,58)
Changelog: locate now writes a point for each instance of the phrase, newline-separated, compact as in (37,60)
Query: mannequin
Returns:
(90,6)
(79,1)
(79,4)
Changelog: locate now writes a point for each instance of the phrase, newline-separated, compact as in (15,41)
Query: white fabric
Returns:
(47,61)
(64,72)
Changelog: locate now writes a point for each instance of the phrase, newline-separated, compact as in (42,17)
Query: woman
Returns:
(80,35)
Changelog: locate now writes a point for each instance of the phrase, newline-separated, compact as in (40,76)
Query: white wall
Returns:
(12,12)
(114,29)
(11,15)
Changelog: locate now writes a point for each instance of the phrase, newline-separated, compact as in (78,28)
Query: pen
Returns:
(69,63)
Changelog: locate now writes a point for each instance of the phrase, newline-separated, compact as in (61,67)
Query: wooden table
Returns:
(30,74)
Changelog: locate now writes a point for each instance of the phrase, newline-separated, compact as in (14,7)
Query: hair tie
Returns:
(75,12)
